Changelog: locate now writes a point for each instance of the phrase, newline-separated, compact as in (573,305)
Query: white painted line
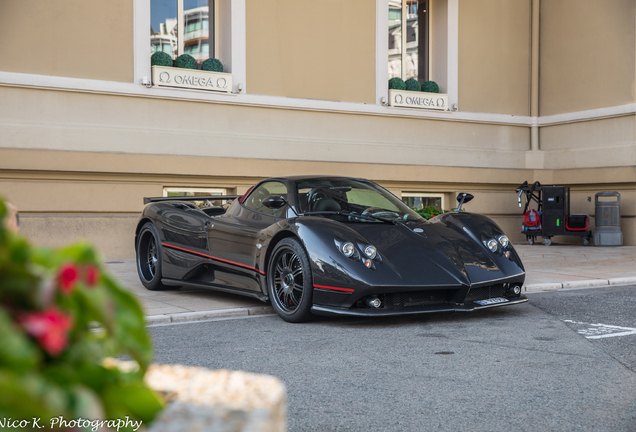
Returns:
(601,331)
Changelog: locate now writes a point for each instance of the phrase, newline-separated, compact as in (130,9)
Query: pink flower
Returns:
(92,275)
(67,278)
(50,328)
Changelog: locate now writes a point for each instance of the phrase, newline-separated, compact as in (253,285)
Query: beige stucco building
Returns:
(537,90)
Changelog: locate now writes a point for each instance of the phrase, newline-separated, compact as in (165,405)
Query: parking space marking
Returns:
(600,331)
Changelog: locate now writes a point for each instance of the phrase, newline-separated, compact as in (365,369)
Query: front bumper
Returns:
(367,312)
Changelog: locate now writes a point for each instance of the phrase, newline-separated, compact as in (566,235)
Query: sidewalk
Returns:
(548,268)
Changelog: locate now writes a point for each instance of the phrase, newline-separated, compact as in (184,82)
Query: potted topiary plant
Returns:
(160,58)
(185,61)
(185,74)
(212,65)
(411,94)
(413,85)
(430,87)
(397,84)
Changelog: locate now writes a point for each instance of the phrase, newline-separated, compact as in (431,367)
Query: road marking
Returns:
(600,331)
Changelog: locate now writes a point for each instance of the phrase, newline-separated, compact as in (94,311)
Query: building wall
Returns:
(594,143)
(78,158)
(69,38)
(494,56)
(311,49)
(587,55)
(78,121)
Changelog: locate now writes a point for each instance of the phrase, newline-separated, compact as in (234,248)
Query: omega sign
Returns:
(191,78)
(413,99)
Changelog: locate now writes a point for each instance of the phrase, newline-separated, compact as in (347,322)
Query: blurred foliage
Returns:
(61,315)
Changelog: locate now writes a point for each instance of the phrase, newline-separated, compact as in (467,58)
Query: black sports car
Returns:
(328,246)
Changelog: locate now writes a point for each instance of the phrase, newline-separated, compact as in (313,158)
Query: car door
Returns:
(237,238)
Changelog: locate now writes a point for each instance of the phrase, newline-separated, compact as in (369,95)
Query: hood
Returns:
(440,251)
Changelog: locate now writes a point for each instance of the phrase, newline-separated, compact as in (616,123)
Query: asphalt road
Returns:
(530,367)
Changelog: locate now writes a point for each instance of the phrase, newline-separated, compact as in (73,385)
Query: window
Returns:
(408,39)
(419,200)
(191,192)
(182,27)
(255,199)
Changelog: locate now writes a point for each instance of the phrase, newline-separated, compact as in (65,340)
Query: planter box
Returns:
(206,400)
(163,76)
(422,100)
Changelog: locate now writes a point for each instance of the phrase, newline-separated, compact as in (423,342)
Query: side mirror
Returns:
(274,202)
(462,198)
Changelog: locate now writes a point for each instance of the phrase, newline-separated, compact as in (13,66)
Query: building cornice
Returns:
(21,80)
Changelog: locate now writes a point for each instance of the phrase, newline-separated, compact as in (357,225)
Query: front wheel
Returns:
(149,257)
(289,281)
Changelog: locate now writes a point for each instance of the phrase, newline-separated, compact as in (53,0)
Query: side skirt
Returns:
(246,293)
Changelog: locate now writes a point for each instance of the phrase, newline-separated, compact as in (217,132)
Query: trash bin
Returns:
(608,220)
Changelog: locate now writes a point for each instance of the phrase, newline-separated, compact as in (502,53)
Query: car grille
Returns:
(414,298)
(486,292)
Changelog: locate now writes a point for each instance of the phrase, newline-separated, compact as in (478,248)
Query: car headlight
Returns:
(492,245)
(503,240)
(348,249)
(370,251)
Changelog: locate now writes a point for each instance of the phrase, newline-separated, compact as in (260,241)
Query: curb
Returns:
(554,286)
(265,310)
(207,315)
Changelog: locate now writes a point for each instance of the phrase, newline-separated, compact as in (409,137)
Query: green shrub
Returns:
(61,317)
(397,84)
(430,87)
(160,58)
(185,61)
(413,85)
(431,212)
(212,65)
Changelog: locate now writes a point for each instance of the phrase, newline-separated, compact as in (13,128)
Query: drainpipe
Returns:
(534,93)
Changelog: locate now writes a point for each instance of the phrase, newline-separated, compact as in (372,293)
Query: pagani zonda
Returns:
(329,246)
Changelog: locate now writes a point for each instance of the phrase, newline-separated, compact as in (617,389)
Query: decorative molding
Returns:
(452,87)
(381,50)
(141,40)
(593,114)
(45,82)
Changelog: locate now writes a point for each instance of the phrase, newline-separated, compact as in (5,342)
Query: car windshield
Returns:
(350,198)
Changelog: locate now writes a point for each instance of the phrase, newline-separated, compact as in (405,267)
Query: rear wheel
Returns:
(289,281)
(149,257)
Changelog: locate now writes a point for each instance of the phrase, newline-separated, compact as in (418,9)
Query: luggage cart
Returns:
(552,216)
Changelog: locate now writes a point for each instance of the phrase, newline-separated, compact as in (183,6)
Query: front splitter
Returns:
(472,306)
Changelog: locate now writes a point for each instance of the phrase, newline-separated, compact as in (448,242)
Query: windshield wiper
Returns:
(346,213)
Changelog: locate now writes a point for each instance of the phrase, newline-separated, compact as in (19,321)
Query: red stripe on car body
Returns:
(333,288)
(214,258)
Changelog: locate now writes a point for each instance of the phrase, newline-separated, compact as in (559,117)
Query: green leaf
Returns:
(130,328)
(17,350)
(133,399)
(27,395)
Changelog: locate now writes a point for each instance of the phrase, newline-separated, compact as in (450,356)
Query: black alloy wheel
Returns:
(289,281)
(149,257)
